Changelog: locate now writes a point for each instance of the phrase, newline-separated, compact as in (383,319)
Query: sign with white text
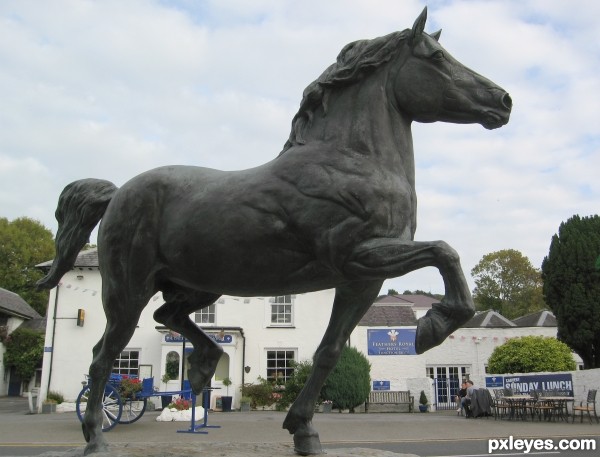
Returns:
(391,341)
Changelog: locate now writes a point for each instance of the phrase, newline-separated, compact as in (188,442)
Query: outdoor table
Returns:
(560,405)
(517,405)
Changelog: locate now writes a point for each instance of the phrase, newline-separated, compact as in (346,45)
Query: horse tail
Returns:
(81,205)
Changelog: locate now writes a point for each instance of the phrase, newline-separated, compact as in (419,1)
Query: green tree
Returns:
(506,282)
(24,351)
(24,243)
(572,286)
(531,354)
(349,383)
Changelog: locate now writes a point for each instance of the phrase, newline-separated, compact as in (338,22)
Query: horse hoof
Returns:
(307,443)
(93,448)
(439,322)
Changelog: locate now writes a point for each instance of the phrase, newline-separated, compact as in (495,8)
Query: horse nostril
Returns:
(507,101)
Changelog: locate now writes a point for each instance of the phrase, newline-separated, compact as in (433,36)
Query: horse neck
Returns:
(363,118)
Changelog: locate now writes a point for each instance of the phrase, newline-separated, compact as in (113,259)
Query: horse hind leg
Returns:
(175,315)
(121,320)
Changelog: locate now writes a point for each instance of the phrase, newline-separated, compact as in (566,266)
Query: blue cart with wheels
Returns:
(119,410)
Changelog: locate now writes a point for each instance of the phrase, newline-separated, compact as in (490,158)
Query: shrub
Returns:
(531,354)
(24,351)
(55,397)
(295,383)
(261,393)
(349,383)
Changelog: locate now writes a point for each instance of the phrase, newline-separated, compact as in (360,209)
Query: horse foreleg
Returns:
(387,258)
(349,306)
(175,314)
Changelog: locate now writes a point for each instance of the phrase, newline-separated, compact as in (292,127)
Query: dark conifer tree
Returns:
(572,285)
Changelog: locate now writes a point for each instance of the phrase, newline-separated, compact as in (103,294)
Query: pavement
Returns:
(19,428)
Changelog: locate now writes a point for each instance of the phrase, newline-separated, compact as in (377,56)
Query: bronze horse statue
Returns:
(336,209)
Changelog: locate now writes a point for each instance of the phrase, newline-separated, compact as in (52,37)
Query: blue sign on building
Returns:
(494,381)
(226,339)
(562,382)
(381,385)
(391,341)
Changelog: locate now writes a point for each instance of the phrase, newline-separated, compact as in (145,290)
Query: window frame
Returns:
(117,367)
(210,310)
(280,355)
(279,316)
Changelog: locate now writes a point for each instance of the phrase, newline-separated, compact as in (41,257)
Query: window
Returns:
(279,364)
(127,363)
(281,310)
(206,315)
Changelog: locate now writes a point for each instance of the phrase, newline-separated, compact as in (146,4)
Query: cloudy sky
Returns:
(109,89)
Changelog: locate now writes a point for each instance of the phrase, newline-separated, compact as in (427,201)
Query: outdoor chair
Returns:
(501,406)
(588,407)
(541,407)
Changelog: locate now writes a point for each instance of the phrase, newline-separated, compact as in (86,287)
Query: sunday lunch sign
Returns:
(562,382)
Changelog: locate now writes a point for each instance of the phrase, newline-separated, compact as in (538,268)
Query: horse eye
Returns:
(438,56)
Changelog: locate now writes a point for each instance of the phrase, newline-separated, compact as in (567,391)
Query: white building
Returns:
(260,336)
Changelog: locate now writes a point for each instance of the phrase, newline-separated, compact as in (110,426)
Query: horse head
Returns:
(431,85)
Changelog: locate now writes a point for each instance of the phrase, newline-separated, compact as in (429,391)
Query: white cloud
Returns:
(110,89)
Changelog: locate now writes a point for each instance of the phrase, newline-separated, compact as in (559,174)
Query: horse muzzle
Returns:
(493,118)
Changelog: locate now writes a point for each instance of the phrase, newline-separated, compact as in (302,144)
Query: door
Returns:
(14,383)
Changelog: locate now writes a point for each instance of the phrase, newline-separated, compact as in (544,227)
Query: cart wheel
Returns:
(112,406)
(133,410)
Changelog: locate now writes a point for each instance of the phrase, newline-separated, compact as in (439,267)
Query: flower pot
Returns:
(48,408)
(244,406)
(423,408)
(165,400)
(327,407)
(226,403)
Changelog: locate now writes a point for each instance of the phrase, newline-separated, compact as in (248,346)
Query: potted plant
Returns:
(226,400)
(423,402)
(166,400)
(245,403)
(327,406)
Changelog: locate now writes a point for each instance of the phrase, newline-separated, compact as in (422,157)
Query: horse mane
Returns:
(354,62)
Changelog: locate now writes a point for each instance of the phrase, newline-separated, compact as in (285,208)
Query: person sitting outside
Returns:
(461,394)
(466,401)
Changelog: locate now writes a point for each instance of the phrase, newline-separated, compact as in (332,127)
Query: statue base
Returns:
(220,449)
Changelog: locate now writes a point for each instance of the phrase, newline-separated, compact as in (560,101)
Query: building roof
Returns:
(14,305)
(85,259)
(385,315)
(416,301)
(543,318)
(37,324)
(489,319)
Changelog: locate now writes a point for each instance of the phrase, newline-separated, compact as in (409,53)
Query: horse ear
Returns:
(419,25)
(436,35)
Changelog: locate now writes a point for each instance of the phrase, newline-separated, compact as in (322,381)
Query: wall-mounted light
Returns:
(80,317)
(247,369)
